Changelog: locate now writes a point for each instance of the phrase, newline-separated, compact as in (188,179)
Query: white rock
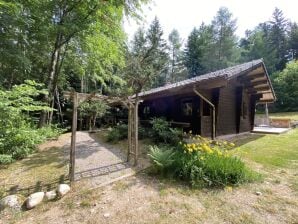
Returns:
(34,199)
(51,195)
(106,215)
(11,201)
(258,193)
(63,189)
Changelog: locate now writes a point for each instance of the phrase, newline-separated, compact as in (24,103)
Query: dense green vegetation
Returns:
(18,133)
(201,162)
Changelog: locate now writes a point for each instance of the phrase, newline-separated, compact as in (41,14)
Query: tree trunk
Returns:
(52,78)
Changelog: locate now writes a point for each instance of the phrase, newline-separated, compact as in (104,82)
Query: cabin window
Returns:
(146,111)
(186,107)
(206,109)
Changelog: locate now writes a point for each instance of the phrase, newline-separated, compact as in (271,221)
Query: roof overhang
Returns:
(257,82)
(254,75)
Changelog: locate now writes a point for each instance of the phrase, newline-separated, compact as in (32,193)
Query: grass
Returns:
(147,199)
(271,150)
(290,115)
(285,115)
(42,170)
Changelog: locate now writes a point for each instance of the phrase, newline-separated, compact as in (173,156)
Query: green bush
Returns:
(162,158)
(5,159)
(18,135)
(117,133)
(120,132)
(202,163)
(163,133)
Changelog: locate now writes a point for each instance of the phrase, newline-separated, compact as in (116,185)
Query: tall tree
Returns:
(225,40)
(176,68)
(42,31)
(293,42)
(277,37)
(146,59)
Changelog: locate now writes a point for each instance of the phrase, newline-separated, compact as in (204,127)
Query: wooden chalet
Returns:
(218,103)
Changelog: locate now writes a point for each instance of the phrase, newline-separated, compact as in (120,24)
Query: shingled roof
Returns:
(227,73)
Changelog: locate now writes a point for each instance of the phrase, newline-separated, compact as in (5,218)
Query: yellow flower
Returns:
(228,188)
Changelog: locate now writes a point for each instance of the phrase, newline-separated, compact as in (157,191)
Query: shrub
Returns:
(120,132)
(162,158)
(162,132)
(117,133)
(202,163)
(18,135)
(5,159)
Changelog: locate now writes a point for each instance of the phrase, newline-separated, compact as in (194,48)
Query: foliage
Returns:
(163,133)
(285,84)
(5,159)
(18,136)
(212,47)
(117,133)
(162,158)
(92,110)
(146,59)
(176,67)
(202,163)
(120,132)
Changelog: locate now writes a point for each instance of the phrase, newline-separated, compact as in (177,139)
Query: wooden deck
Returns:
(270,130)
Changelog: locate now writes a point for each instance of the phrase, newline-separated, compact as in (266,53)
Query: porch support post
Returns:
(213,111)
(73,137)
(136,130)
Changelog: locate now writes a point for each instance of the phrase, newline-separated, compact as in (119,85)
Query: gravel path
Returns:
(98,163)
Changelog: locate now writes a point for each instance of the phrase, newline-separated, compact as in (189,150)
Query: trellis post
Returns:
(73,137)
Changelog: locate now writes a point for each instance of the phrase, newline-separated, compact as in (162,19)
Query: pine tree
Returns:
(176,68)
(277,37)
(225,40)
(293,42)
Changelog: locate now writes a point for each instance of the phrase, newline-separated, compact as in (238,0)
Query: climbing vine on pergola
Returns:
(130,103)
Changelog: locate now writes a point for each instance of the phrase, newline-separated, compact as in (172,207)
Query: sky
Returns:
(184,15)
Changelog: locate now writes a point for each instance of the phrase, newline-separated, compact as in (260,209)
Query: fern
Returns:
(162,158)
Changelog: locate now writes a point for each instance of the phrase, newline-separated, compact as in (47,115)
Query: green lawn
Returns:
(270,150)
(291,115)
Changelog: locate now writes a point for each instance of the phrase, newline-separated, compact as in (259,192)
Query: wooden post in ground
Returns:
(136,130)
(129,134)
(73,137)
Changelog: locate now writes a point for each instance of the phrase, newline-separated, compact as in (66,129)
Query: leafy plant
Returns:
(162,132)
(162,158)
(18,135)
(120,132)
(202,162)
(92,110)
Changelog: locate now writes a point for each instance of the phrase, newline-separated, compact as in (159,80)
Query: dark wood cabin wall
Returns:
(226,122)
(245,125)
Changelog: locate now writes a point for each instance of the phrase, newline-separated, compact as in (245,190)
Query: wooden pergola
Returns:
(130,103)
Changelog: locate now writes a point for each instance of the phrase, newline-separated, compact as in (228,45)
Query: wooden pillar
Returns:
(73,137)
(129,132)
(136,130)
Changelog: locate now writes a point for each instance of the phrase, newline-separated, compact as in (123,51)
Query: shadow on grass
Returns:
(242,140)
(50,156)
(39,186)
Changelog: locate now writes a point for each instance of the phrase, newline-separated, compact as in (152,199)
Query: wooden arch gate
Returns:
(129,103)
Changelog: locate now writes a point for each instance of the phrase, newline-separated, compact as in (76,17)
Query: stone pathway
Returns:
(98,163)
